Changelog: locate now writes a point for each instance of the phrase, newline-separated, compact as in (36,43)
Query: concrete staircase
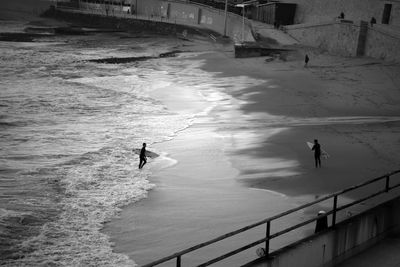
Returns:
(268,35)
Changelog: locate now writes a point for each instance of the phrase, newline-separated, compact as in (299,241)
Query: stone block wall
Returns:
(311,11)
(336,38)
(395,18)
(383,43)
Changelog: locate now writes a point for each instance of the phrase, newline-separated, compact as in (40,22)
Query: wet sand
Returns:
(198,198)
(248,160)
(350,105)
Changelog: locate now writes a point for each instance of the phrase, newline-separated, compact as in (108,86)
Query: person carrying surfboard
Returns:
(317,153)
(142,156)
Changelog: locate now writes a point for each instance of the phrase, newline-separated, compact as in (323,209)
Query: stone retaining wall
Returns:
(334,37)
(383,43)
(185,14)
(311,11)
(342,37)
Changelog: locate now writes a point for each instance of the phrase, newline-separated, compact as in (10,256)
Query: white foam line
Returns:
(269,191)
(170,161)
(268,120)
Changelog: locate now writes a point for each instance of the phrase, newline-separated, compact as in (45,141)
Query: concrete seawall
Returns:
(120,23)
(342,38)
(192,15)
(346,239)
(334,37)
(314,11)
(339,37)
(382,42)
(316,26)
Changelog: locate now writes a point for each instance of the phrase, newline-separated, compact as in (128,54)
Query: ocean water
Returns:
(68,127)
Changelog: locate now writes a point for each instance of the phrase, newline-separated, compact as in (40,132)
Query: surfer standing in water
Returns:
(142,156)
(317,153)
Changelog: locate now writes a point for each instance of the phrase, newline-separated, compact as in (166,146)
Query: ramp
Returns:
(272,37)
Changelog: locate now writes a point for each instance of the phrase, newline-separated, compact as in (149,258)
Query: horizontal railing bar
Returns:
(154,263)
(360,200)
(330,196)
(230,234)
(293,227)
(338,193)
(325,215)
(299,208)
(236,251)
(328,213)
(185,251)
(238,231)
(361,185)
(397,185)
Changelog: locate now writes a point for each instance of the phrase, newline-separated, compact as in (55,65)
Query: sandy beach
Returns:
(350,105)
(247,159)
(244,158)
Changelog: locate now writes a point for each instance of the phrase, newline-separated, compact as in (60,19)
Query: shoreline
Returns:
(355,116)
(310,107)
(273,102)
(199,197)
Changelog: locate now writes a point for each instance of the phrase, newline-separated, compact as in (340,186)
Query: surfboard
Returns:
(149,154)
(324,154)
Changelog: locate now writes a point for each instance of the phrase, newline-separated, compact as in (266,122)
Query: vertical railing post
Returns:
(387,183)
(334,211)
(267,235)
(178,261)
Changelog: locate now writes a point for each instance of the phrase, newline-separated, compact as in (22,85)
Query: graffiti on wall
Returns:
(183,15)
(206,20)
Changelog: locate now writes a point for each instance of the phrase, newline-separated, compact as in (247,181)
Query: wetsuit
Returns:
(317,154)
(142,157)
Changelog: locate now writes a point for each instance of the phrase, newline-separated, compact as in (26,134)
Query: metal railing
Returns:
(268,236)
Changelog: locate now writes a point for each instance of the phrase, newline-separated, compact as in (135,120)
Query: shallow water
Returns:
(68,127)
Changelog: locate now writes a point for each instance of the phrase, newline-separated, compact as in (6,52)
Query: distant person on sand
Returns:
(341,16)
(373,21)
(142,156)
(306,59)
(317,153)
